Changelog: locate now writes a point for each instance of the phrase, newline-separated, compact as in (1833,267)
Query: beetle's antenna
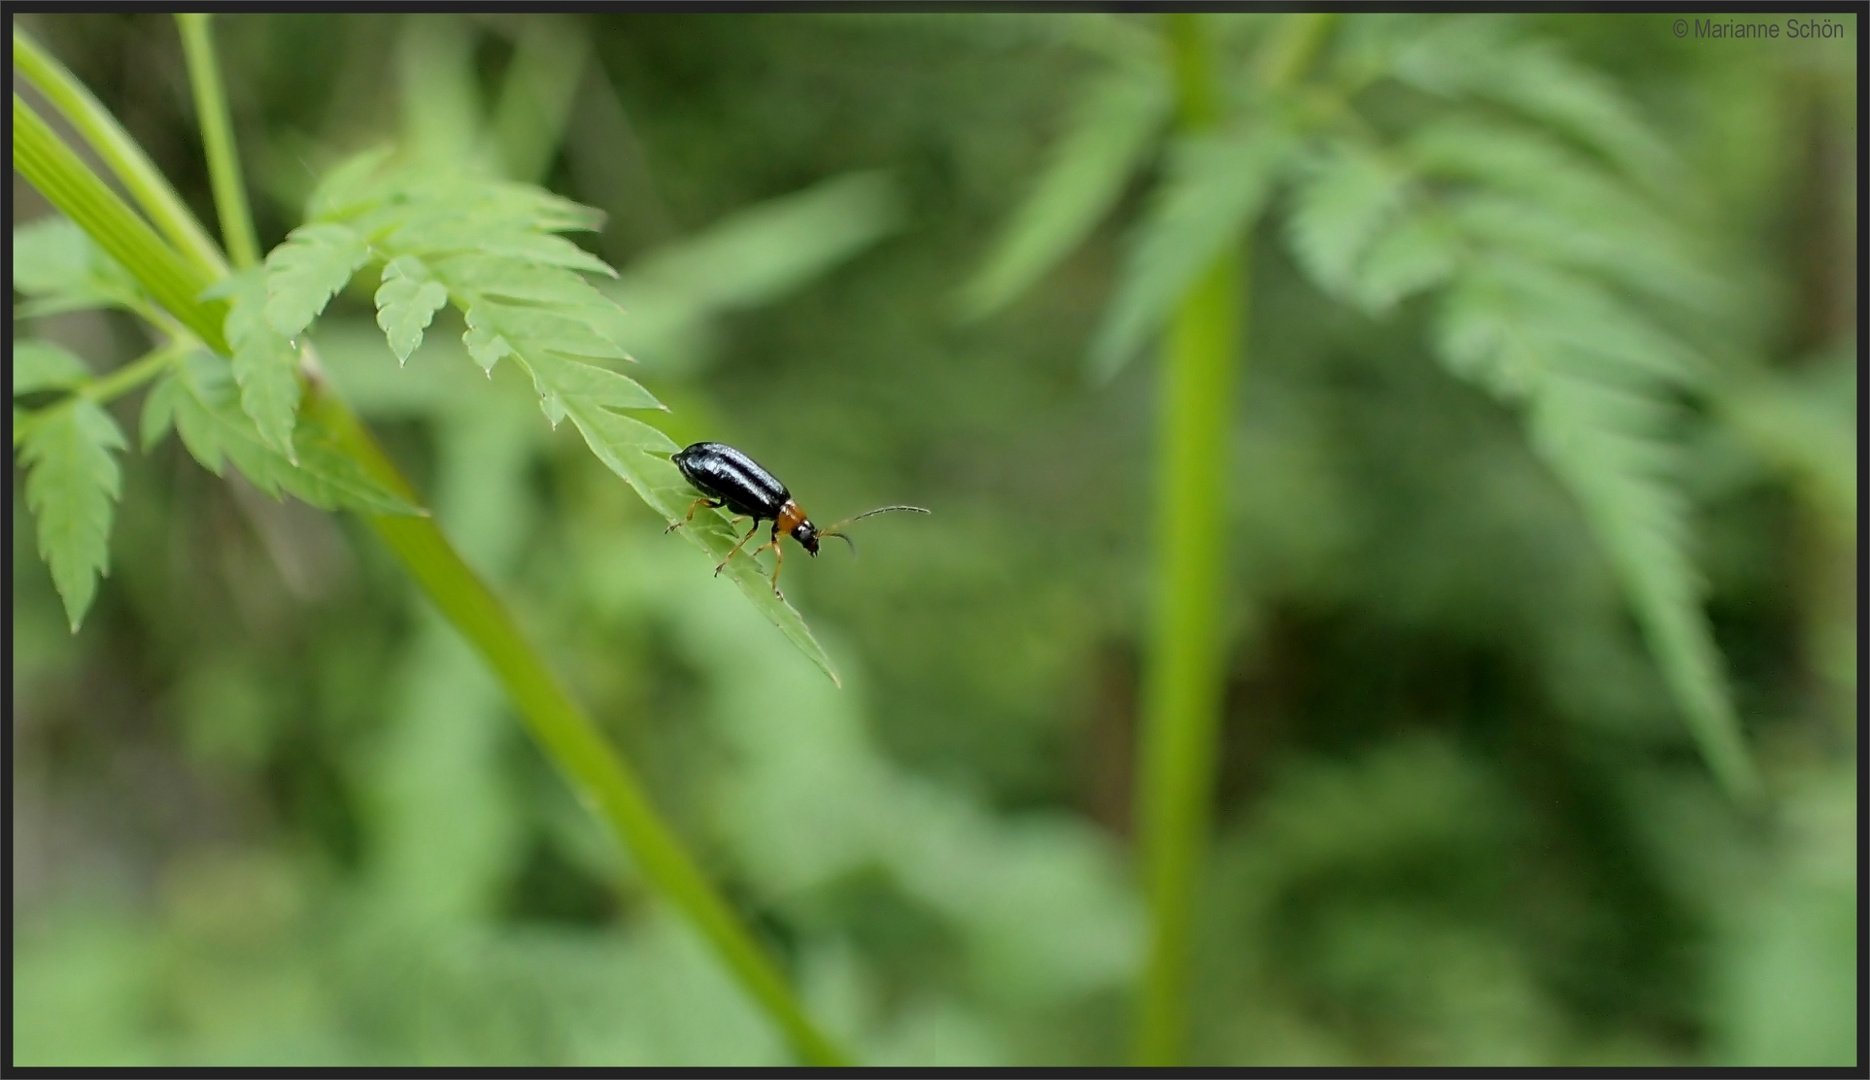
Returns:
(837,530)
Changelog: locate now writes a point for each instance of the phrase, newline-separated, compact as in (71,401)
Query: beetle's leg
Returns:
(698,503)
(779,560)
(779,555)
(743,540)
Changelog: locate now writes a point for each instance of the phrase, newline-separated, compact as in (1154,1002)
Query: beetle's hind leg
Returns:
(737,547)
(696,505)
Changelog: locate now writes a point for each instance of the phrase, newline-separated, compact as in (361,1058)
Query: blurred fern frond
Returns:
(1526,198)
(1548,267)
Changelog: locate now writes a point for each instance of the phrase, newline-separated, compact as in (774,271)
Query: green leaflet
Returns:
(265,363)
(568,379)
(305,272)
(485,345)
(1478,57)
(1418,253)
(1595,384)
(1112,130)
(640,454)
(58,268)
(1342,206)
(72,481)
(539,328)
(406,302)
(41,365)
(200,402)
(456,235)
(1215,188)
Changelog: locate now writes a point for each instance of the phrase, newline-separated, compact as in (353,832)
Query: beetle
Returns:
(726,477)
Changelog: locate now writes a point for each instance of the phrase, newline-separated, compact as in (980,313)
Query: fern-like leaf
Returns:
(72,482)
(58,268)
(200,401)
(1114,127)
(491,250)
(406,303)
(1596,398)
(1215,189)
(305,272)
(41,365)
(265,362)
(1482,58)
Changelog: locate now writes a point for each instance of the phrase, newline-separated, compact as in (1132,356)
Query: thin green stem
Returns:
(602,779)
(1183,673)
(112,386)
(217,139)
(120,154)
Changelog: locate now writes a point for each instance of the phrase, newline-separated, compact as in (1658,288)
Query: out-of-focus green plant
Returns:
(1457,817)
(1524,200)
(489,248)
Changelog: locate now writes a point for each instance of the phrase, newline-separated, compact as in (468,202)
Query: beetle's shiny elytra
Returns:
(728,478)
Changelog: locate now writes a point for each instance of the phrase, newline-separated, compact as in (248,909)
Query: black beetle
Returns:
(727,477)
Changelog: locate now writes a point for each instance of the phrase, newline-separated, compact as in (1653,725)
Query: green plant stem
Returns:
(562,729)
(64,179)
(1183,672)
(217,140)
(110,387)
(120,153)
(595,771)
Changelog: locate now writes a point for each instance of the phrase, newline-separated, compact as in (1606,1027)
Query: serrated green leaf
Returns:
(41,365)
(568,378)
(535,329)
(265,363)
(1086,172)
(267,368)
(640,454)
(565,291)
(406,303)
(58,267)
(484,342)
(1214,190)
(305,272)
(452,234)
(72,482)
(216,431)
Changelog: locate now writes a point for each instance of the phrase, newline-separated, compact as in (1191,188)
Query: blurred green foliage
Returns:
(269,809)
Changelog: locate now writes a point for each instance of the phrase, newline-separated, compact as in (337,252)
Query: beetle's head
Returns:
(807,536)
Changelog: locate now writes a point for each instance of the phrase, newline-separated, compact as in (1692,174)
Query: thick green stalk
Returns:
(64,179)
(120,153)
(217,140)
(563,730)
(1183,672)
